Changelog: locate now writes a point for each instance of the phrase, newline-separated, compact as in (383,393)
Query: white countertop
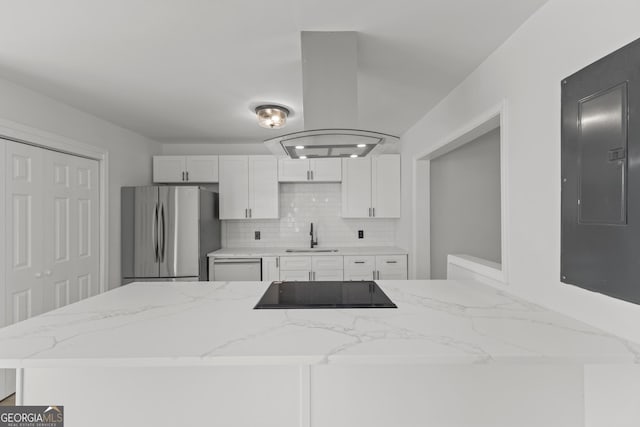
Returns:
(260,252)
(213,323)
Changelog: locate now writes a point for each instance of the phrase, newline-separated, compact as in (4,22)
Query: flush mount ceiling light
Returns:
(272,116)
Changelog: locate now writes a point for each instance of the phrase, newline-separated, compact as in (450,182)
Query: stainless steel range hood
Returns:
(330,98)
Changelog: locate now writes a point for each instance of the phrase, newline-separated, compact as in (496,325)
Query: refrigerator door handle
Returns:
(163,233)
(154,232)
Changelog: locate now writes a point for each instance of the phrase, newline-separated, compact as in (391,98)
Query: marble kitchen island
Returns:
(454,353)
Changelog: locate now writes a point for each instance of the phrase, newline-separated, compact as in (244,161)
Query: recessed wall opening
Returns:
(464,188)
(459,202)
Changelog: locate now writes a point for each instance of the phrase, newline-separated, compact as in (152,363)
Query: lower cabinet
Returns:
(331,268)
(311,268)
(379,267)
(270,268)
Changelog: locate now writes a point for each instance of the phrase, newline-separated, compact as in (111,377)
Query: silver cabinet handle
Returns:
(374,274)
(249,212)
(372,209)
(392,262)
(309,276)
(311,175)
(246,213)
(369,212)
(187,175)
(308,176)
(378,274)
(277,262)
(314,273)
(183,175)
(358,262)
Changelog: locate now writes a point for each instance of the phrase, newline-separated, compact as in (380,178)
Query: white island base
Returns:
(452,354)
(337,396)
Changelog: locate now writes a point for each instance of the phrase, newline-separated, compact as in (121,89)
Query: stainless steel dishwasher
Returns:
(235,269)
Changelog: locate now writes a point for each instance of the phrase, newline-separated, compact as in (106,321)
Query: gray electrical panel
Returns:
(600,248)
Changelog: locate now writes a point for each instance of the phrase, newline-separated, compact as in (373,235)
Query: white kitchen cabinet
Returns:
(179,169)
(313,268)
(359,267)
(248,187)
(270,268)
(356,188)
(316,170)
(371,187)
(263,187)
(391,267)
(234,187)
(381,267)
(202,169)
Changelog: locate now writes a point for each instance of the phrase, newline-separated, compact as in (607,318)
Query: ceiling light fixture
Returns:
(272,116)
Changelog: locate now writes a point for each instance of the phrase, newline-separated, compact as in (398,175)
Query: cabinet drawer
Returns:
(295,263)
(326,263)
(359,262)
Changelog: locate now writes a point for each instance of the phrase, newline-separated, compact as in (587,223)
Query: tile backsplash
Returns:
(301,204)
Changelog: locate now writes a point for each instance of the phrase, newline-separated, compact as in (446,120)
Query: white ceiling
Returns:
(189,70)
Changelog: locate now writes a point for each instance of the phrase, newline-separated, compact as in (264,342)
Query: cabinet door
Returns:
(391,267)
(295,275)
(356,188)
(326,170)
(385,191)
(270,268)
(169,168)
(263,187)
(202,168)
(293,170)
(234,187)
(359,267)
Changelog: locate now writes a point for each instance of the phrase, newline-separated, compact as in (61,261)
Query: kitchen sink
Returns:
(311,250)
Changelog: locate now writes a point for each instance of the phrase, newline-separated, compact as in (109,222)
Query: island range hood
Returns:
(330,100)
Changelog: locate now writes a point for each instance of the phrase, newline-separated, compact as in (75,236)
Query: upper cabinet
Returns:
(177,169)
(371,187)
(316,170)
(248,187)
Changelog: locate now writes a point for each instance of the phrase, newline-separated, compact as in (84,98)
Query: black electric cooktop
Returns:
(352,294)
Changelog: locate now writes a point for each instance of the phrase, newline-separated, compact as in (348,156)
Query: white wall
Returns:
(558,40)
(465,203)
(129,153)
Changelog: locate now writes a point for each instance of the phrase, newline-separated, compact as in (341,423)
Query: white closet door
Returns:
(24,263)
(71,261)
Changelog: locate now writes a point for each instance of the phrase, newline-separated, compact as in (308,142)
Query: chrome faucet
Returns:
(313,242)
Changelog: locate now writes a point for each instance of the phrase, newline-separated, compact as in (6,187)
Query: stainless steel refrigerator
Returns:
(167,232)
